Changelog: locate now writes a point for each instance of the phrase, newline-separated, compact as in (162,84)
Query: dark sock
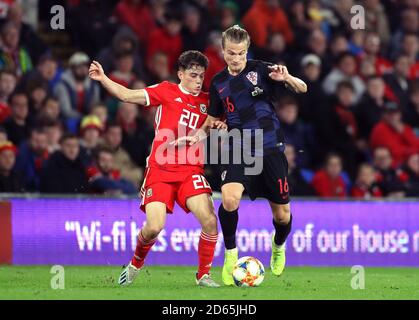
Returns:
(282,231)
(228,221)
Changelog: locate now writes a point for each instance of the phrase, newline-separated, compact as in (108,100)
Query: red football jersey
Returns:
(179,112)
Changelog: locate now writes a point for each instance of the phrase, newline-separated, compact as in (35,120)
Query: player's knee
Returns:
(282,214)
(152,231)
(230,203)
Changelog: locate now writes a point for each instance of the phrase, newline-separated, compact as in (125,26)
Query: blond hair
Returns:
(235,34)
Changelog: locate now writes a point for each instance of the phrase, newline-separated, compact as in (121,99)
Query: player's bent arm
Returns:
(123,93)
(295,84)
(203,132)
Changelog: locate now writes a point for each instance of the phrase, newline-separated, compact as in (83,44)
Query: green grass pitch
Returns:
(177,283)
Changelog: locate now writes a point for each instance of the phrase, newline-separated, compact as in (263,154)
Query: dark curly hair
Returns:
(191,58)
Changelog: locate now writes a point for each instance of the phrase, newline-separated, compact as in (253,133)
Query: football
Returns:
(248,272)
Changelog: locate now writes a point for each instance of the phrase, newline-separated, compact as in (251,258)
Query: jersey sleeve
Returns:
(154,94)
(216,108)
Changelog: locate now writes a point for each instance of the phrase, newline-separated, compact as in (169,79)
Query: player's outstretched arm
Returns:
(280,73)
(122,93)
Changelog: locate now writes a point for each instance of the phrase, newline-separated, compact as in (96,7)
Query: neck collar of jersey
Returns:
(186,91)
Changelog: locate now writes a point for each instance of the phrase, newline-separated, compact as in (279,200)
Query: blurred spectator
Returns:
(10,180)
(64,172)
(357,41)
(214,53)
(398,81)
(299,21)
(91,25)
(32,155)
(46,71)
(337,127)
(228,14)
(314,98)
(17,125)
(393,133)
(366,186)
(411,117)
(13,56)
(372,47)
(387,177)
(7,86)
(342,12)
(409,174)
(90,130)
(136,139)
(128,12)
(50,110)
(123,41)
(376,19)
(101,112)
(158,9)
(195,30)
(367,68)
(345,69)
(317,44)
(298,184)
(275,51)
(167,39)
(328,181)
(103,178)
(410,47)
(338,45)
(158,68)
(54,131)
(409,23)
(123,72)
(370,109)
(297,133)
(265,17)
(28,38)
(76,92)
(36,92)
(122,160)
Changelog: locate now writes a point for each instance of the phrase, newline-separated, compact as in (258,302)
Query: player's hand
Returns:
(278,72)
(96,71)
(220,125)
(190,140)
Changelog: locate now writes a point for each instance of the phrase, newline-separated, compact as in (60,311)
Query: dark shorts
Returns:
(271,183)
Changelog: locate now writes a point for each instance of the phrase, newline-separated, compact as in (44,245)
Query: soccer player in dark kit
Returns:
(243,93)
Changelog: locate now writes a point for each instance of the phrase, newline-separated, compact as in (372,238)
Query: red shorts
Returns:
(170,186)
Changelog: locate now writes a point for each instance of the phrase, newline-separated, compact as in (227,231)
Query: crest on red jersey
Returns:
(252,77)
(149,193)
(203,108)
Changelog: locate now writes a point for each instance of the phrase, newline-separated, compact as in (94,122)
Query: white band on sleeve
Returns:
(147,98)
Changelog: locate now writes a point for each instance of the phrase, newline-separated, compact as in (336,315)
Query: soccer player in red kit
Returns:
(170,175)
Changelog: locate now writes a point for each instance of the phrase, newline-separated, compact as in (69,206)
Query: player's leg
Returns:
(228,214)
(277,192)
(282,221)
(155,221)
(157,199)
(147,237)
(202,208)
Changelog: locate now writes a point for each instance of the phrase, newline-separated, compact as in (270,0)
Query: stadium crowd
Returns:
(355,133)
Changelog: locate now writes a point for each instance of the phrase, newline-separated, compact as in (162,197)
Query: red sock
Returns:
(143,247)
(206,248)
